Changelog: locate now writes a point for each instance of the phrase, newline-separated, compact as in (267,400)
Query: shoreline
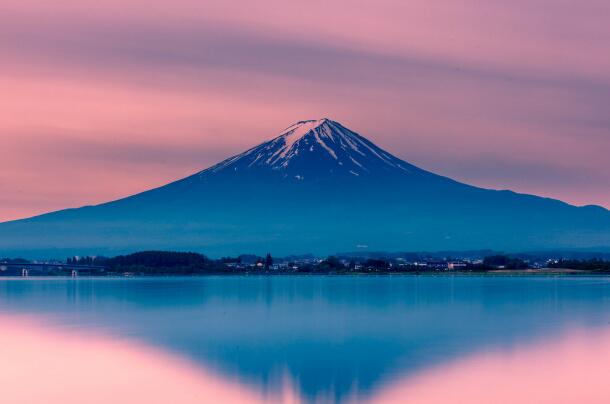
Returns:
(545,272)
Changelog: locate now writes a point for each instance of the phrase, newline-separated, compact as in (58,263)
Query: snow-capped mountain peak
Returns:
(292,135)
(316,187)
(318,147)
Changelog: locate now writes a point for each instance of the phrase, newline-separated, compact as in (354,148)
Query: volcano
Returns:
(319,188)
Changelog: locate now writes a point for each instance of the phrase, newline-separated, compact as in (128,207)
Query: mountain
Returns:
(317,187)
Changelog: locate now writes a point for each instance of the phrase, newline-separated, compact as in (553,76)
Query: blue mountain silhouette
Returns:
(317,187)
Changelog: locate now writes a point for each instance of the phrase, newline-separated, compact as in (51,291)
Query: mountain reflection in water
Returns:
(326,339)
(43,364)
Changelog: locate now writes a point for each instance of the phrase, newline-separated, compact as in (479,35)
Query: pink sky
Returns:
(104,99)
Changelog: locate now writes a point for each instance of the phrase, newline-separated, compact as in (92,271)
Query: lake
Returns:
(429,339)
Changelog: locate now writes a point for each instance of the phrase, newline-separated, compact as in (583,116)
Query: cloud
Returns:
(98,151)
(109,45)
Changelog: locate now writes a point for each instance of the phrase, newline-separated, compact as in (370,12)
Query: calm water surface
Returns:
(313,339)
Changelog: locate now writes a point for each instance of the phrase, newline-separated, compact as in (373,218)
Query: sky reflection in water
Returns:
(257,339)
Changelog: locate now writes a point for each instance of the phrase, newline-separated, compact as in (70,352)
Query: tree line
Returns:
(169,262)
(594,264)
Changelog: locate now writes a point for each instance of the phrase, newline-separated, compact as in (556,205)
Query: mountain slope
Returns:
(317,187)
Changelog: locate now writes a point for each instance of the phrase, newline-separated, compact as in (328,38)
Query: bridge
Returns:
(28,267)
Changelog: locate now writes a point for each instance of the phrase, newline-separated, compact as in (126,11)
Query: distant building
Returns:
(453,265)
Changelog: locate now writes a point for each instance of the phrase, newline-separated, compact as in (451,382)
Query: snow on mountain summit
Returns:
(316,147)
